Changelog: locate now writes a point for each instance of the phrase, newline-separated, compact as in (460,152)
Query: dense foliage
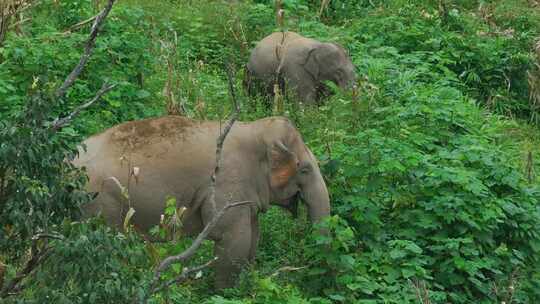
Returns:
(432,195)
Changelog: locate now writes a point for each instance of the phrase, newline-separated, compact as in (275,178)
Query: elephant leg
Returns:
(255,235)
(233,249)
(307,94)
(306,90)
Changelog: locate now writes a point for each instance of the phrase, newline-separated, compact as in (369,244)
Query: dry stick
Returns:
(287,269)
(87,51)
(188,253)
(222,136)
(60,122)
(18,23)
(324,5)
(38,256)
(79,25)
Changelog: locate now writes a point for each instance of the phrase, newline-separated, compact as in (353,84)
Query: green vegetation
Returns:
(431,170)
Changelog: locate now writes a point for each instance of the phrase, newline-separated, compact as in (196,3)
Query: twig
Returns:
(287,269)
(186,272)
(18,23)
(421,291)
(230,80)
(90,43)
(55,236)
(80,24)
(188,253)
(60,122)
(324,5)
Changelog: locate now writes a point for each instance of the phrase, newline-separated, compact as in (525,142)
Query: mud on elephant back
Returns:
(265,161)
(298,64)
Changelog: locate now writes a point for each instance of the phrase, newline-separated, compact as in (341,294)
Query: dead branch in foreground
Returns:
(223,135)
(89,47)
(60,122)
(188,253)
(80,25)
(38,254)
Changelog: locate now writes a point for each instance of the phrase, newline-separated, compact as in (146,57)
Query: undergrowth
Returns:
(432,171)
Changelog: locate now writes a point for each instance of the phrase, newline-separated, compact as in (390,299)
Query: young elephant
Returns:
(265,161)
(302,63)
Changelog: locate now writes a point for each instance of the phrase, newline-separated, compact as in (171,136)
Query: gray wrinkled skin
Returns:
(265,161)
(303,64)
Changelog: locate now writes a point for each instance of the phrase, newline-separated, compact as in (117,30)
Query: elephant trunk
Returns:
(316,198)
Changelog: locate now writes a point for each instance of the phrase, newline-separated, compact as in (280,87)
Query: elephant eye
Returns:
(305,168)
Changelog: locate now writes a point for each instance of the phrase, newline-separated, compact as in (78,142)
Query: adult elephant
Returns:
(265,161)
(298,63)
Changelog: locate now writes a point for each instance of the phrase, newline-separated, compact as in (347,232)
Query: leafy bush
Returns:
(424,195)
(93,264)
(120,56)
(38,189)
(426,188)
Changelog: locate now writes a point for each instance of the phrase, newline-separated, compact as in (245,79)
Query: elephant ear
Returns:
(312,65)
(283,165)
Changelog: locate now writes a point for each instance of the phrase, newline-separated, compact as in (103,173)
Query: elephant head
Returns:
(294,173)
(330,62)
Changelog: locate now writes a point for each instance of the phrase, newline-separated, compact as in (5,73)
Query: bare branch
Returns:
(287,269)
(421,291)
(223,135)
(61,122)
(80,24)
(55,236)
(89,47)
(230,80)
(188,253)
(324,6)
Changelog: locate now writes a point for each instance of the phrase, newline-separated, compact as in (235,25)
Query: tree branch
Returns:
(223,135)
(89,47)
(188,253)
(80,24)
(287,269)
(60,122)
